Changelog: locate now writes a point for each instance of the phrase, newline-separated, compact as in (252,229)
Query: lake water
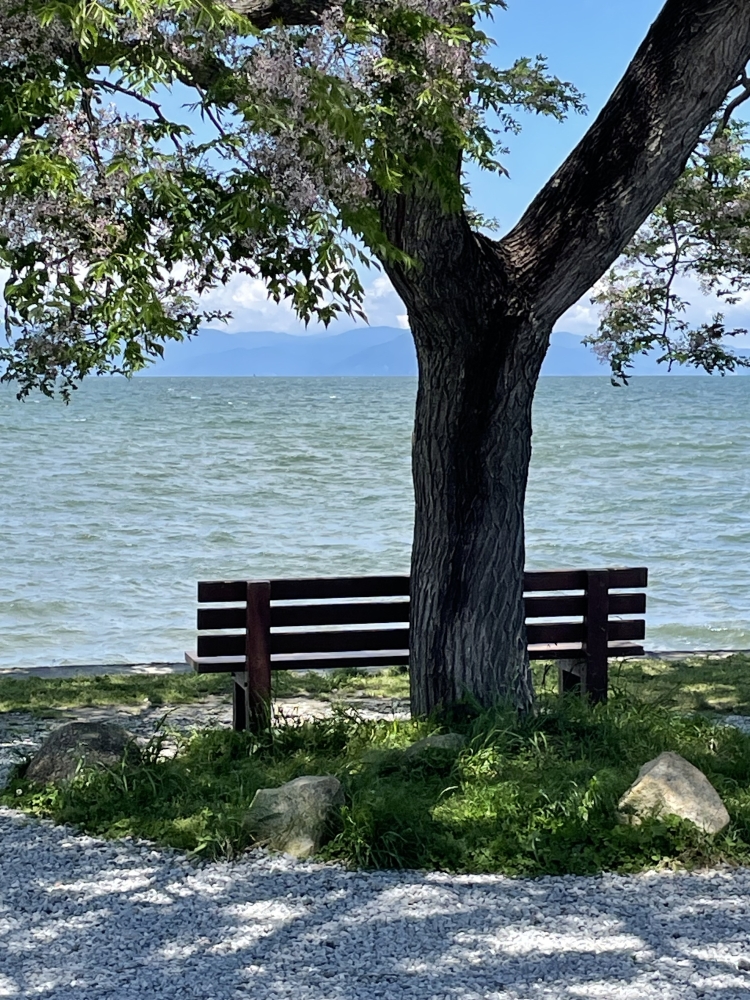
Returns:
(113,507)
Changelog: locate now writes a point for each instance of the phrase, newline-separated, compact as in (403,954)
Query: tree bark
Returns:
(472,447)
(479,359)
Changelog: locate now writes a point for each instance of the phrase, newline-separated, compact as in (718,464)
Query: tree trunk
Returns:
(472,448)
(481,313)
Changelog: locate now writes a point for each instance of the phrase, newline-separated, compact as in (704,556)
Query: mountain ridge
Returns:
(365,351)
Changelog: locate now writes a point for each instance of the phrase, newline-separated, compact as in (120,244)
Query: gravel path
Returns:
(84,919)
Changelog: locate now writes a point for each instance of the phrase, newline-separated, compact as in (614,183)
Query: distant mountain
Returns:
(568,356)
(394,357)
(382,350)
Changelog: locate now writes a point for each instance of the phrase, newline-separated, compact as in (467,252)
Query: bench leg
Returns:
(597,678)
(259,714)
(569,674)
(258,656)
(239,703)
(250,711)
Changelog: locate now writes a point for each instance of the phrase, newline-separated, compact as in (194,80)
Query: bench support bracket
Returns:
(596,621)
(255,712)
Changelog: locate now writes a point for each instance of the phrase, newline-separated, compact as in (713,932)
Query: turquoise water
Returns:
(114,506)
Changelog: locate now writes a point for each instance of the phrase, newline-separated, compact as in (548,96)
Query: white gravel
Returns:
(82,918)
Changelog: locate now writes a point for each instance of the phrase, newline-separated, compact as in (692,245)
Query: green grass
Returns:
(40,695)
(719,685)
(714,686)
(525,797)
(695,684)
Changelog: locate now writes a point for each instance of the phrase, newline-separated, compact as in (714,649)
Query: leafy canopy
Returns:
(700,233)
(116,213)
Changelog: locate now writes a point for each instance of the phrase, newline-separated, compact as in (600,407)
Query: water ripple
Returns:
(114,506)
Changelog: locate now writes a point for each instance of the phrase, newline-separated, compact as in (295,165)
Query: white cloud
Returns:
(580,319)
(247,299)
(380,288)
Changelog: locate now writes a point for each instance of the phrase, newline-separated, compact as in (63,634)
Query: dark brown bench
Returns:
(249,628)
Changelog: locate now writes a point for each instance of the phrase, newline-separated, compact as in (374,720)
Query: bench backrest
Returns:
(259,626)
(300,614)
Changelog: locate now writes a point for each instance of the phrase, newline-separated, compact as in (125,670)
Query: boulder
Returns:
(671,785)
(293,817)
(436,741)
(93,743)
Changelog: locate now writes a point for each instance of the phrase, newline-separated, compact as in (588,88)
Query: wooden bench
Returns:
(249,628)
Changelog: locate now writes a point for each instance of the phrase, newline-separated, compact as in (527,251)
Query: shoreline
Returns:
(159,667)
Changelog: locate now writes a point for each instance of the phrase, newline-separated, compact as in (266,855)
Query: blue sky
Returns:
(586,42)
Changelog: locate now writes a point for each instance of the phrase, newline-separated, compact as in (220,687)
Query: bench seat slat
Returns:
(302,661)
(386,658)
(572,606)
(634,628)
(627,578)
(330,588)
(215,664)
(339,642)
(556,632)
(323,588)
(392,612)
(327,588)
(294,616)
(572,650)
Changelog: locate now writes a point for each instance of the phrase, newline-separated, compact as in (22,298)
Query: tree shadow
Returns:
(80,918)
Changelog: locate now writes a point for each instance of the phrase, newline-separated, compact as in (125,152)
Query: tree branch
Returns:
(264,13)
(631,156)
(729,110)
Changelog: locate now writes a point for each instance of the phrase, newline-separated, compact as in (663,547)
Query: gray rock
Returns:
(93,743)
(671,785)
(436,741)
(293,817)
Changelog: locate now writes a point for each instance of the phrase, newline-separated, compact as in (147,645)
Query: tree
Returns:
(340,133)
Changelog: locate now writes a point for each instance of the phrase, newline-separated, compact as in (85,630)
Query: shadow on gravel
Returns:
(82,918)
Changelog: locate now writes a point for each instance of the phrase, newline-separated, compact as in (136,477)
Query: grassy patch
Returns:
(41,696)
(390,683)
(711,685)
(695,684)
(525,797)
(718,685)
